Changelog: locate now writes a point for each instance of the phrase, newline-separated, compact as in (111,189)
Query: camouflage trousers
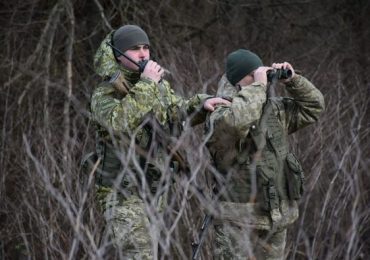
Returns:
(127,224)
(234,242)
(243,231)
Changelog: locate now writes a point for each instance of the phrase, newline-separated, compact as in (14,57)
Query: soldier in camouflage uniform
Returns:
(135,112)
(260,180)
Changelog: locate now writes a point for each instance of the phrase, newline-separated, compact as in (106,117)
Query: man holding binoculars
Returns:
(259,180)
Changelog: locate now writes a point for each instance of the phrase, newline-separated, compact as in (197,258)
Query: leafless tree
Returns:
(47,206)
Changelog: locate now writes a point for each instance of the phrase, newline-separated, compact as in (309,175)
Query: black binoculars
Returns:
(278,74)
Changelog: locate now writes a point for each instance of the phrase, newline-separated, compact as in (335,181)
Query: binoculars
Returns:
(278,74)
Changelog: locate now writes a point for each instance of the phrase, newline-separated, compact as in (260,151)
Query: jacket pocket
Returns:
(269,199)
(295,177)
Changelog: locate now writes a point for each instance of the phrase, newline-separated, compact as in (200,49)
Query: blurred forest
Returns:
(47,208)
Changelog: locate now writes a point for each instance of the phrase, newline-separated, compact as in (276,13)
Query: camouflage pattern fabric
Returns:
(124,113)
(246,107)
(235,242)
(242,229)
(127,224)
(251,216)
(120,117)
(229,124)
(105,64)
(145,96)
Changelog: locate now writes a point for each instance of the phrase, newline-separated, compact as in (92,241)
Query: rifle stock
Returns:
(198,245)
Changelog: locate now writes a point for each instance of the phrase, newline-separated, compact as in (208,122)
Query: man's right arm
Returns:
(246,107)
(127,113)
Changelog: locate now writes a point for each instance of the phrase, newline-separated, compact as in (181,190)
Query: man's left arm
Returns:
(305,106)
(194,106)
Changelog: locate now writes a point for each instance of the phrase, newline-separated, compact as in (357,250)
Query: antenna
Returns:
(141,65)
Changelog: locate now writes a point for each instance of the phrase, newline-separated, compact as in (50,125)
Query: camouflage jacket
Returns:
(122,111)
(300,110)
(231,141)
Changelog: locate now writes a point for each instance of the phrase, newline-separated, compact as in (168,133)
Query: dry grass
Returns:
(47,208)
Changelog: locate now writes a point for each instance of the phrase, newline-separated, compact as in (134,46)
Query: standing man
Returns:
(136,112)
(259,180)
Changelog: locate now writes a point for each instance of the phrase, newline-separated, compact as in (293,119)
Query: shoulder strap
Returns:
(259,128)
(119,83)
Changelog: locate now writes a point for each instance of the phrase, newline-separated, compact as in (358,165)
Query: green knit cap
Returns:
(240,63)
(129,36)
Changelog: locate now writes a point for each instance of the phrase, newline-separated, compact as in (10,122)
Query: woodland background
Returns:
(47,208)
